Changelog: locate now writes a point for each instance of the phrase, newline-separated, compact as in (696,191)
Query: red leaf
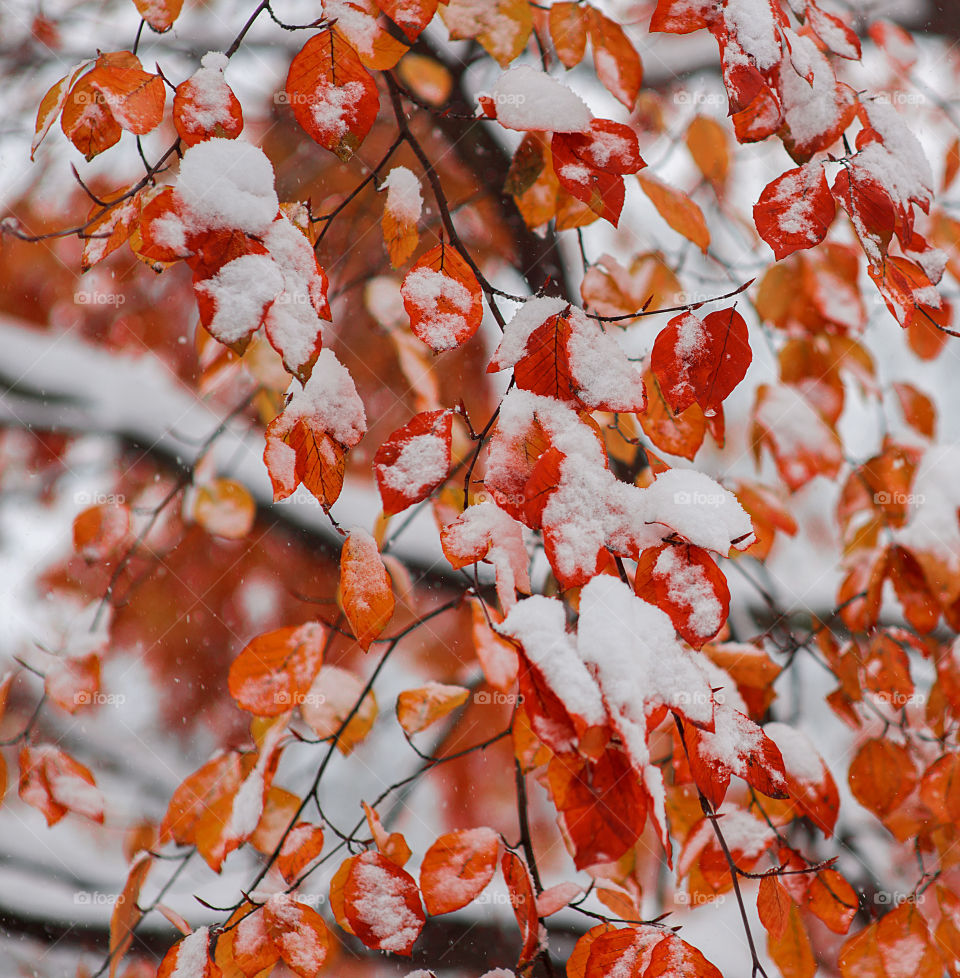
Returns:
(796,210)
(334,98)
(457,868)
(382,904)
(414,460)
(411,16)
(601,191)
(304,842)
(687,584)
(524,903)
(701,361)
(672,957)
(443,299)
(189,958)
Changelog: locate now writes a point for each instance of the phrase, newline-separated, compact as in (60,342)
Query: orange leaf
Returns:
(443,299)
(391,844)
(366,592)
(411,16)
(382,904)
(334,98)
(298,933)
(126,914)
(833,900)
(303,844)
(189,958)
(418,708)
(671,957)
(196,796)
(881,775)
(678,210)
(457,868)
(51,105)
(275,670)
(54,783)
(918,409)
(680,434)
(707,142)
(73,683)
(225,508)
(204,106)
(568,31)
(498,658)
(524,903)
(791,950)
(99,530)
(159,14)
(615,58)
(773,907)
(252,949)
(331,700)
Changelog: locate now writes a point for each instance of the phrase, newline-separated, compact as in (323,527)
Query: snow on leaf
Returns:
(418,708)
(686,583)
(299,934)
(108,231)
(304,842)
(331,700)
(99,530)
(382,904)
(485,532)
(205,106)
(333,96)
(527,99)
(159,14)
(701,360)
(808,780)
(443,299)
(615,59)
(414,460)
(401,214)
(603,192)
(189,958)
(796,210)
(224,508)
(54,783)
(275,670)
(501,27)
(360,23)
(674,958)
(411,16)
(457,868)
(366,592)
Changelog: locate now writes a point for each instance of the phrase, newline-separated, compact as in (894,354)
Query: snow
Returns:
(424,288)
(193,956)
(746,836)
(240,291)
(539,625)
(381,906)
(525,321)
(404,200)
(599,367)
(753,25)
(329,400)
(332,106)
(210,102)
(797,201)
(897,162)
(800,758)
(423,461)
(689,587)
(228,183)
(699,509)
(528,99)
(808,90)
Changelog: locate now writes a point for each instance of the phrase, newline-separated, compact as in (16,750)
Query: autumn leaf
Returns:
(330,707)
(795,210)
(298,933)
(54,783)
(159,14)
(678,210)
(568,31)
(204,106)
(366,592)
(333,96)
(382,903)
(225,508)
(273,672)
(414,460)
(418,708)
(443,299)
(189,958)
